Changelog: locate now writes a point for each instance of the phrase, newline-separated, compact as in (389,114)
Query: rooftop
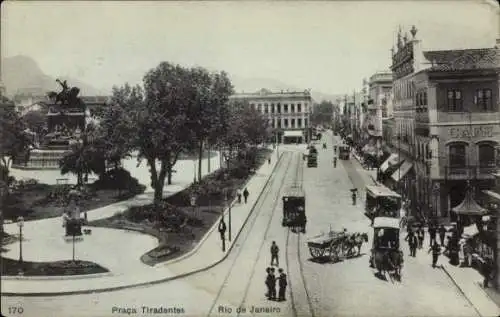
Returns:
(265,93)
(467,59)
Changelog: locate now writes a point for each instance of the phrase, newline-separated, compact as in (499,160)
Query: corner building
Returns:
(288,113)
(447,124)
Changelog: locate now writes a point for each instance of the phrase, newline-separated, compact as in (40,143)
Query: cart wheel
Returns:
(316,252)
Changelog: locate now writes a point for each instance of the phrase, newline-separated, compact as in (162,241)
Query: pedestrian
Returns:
(282,285)
(353,196)
(436,251)
(269,161)
(421,237)
(222,231)
(335,162)
(272,285)
(274,253)
(238,193)
(487,269)
(442,233)
(268,282)
(245,194)
(432,234)
(412,242)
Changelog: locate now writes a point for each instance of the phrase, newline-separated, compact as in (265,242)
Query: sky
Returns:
(326,46)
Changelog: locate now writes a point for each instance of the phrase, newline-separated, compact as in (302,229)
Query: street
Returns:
(236,286)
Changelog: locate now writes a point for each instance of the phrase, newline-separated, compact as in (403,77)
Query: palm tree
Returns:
(86,156)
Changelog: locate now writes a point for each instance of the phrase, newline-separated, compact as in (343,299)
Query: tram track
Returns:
(260,204)
(298,168)
(297,297)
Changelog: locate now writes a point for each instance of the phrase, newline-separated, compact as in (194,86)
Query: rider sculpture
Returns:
(68,97)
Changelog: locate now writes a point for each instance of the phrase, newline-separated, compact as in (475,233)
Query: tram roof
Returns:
(380,190)
(294,191)
(386,222)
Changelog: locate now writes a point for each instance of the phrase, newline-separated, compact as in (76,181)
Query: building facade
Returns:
(447,123)
(288,113)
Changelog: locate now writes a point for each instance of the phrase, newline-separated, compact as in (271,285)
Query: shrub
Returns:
(119,179)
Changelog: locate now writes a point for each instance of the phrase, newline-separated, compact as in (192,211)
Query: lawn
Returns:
(177,226)
(41,201)
(11,267)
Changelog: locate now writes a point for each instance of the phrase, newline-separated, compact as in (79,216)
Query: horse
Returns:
(356,240)
(395,260)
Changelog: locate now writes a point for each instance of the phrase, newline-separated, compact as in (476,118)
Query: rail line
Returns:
(275,204)
(293,295)
(259,205)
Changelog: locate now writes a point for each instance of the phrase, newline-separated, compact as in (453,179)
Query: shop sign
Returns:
(468,132)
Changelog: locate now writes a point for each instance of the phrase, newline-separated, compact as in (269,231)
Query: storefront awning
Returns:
(293,134)
(392,160)
(402,171)
(469,206)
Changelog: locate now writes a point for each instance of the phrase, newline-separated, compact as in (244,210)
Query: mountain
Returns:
(22,75)
(255,84)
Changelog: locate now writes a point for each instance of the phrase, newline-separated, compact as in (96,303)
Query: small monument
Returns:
(71,217)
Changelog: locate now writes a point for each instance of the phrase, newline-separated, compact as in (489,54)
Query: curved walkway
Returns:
(118,250)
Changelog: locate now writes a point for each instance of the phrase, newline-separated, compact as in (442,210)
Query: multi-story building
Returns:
(288,113)
(380,85)
(447,122)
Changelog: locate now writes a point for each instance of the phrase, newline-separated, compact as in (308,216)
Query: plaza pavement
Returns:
(124,263)
(467,280)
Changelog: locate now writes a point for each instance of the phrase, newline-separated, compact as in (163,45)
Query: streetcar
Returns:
(344,152)
(294,209)
(312,157)
(382,202)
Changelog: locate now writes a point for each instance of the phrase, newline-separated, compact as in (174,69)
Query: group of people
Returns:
(271,277)
(416,240)
(245,195)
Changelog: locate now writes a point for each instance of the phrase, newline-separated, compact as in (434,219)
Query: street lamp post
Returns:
(226,198)
(194,171)
(20,224)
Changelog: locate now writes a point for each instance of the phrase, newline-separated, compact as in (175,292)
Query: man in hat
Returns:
(282,285)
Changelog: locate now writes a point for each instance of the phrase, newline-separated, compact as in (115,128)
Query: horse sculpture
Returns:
(67,97)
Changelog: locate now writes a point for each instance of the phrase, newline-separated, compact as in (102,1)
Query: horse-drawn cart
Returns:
(328,244)
(386,255)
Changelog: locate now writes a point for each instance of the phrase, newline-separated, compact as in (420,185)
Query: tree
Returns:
(161,124)
(210,92)
(14,143)
(86,155)
(322,113)
(116,127)
(35,121)
(243,125)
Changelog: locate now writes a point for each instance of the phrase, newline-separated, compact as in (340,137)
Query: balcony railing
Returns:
(470,171)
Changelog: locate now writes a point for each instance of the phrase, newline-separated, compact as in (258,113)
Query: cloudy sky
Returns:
(327,46)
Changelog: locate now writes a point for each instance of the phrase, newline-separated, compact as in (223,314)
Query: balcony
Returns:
(469,172)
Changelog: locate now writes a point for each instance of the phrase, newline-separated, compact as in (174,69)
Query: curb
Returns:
(216,224)
(56,277)
(168,279)
(443,267)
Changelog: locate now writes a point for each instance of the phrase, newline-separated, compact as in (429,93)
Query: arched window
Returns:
(457,155)
(486,153)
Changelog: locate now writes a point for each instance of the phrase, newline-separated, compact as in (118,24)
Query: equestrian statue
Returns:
(68,97)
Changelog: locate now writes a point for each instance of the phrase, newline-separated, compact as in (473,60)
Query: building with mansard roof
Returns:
(447,125)
(287,112)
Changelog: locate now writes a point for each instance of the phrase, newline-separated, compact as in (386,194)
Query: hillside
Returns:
(22,75)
